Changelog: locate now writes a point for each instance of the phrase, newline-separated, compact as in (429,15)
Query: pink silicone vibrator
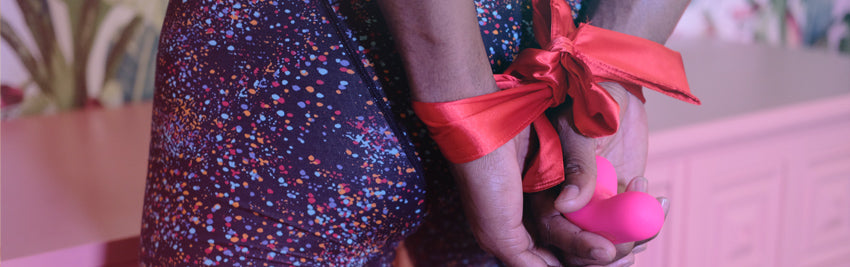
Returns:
(625,217)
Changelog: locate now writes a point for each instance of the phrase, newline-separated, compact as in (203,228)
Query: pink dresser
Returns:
(760,174)
(767,189)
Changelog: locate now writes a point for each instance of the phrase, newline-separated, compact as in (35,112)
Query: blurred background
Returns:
(758,176)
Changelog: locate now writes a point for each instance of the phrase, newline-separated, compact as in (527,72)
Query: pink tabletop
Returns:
(71,179)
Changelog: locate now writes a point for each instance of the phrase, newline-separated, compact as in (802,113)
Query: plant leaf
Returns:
(86,27)
(120,47)
(40,24)
(37,72)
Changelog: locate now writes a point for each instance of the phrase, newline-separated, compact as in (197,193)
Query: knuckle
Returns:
(575,166)
(575,261)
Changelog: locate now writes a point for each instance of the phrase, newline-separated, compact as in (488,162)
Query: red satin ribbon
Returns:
(573,62)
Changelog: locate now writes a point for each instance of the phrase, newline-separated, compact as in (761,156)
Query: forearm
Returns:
(649,19)
(444,57)
(441,46)
(445,60)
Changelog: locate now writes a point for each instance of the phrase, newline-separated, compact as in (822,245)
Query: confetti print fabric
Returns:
(282,136)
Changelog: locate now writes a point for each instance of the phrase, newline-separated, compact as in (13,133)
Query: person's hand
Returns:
(572,245)
(491,192)
(626,150)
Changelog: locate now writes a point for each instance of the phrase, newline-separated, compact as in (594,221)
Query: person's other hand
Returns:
(491,192)
(626,150)
(574,246)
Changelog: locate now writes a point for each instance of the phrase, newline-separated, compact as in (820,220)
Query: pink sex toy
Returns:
(625,217)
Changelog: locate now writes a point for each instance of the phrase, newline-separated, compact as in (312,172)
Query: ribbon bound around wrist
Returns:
(572,63)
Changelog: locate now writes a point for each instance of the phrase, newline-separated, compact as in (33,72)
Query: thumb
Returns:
(579,169)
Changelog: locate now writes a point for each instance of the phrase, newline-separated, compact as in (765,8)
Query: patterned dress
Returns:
(282,135)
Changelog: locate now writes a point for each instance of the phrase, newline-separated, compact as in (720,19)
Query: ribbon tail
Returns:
(634,61)
(547,165)
(595,112)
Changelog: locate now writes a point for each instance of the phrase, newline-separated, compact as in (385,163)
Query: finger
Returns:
(571,242)
(548,258)
(628,260)
(638,184)
(515,247)
(526,258)
(639,248)
(590,248)
(519,249)
(579,170)
(624,249)
(578,247)
(665,205)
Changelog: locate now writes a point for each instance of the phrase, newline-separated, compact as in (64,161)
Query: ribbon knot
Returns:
(578,74)
(574,61)
(576,71)
(561,44)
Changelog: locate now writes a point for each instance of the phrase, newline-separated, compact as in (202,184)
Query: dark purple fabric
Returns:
(282,135)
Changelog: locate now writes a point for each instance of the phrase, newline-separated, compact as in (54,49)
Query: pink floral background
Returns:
(61,55)
(811,24)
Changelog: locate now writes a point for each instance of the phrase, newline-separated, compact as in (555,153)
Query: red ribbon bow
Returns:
(573,62)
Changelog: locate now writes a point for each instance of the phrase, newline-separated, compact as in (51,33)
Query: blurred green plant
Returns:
(844,45)
(63,82)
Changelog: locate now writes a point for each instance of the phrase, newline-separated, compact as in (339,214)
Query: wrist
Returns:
(499,166)
(563,113)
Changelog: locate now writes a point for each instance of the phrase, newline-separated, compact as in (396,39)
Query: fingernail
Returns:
(598,254)
(571,192)
(641,184)
(640,248)
(665,204)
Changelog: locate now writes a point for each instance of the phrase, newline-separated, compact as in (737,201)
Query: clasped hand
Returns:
(528,229)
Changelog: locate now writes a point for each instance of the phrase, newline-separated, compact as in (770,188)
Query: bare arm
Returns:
(442,48)
(445,60)
(653,20)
